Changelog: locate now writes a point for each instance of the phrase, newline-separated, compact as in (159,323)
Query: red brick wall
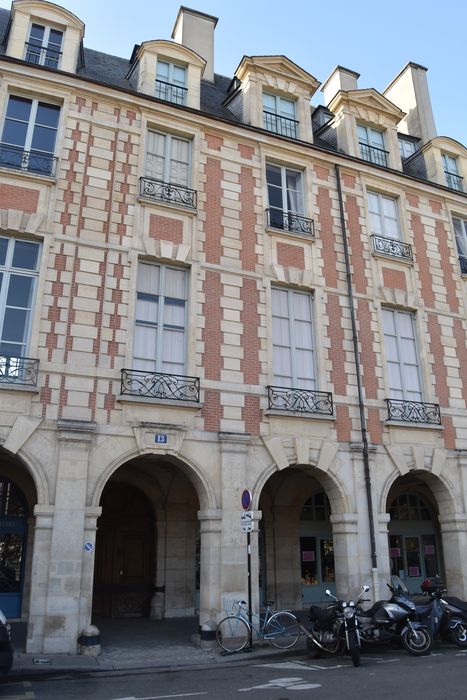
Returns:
(213,227)
(439,368)
(249,317)
(327,236)
(290,255)
(394,279)
(212,411)
(20,198)
(343,424)
(336,351)
(248,254)
(212,334)
(251,414)
(367,354)
(421,257)
(163,228)
(356,248)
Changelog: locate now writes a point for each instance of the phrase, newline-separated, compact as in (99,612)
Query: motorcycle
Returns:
(395,620)
(335,628)
(446,616)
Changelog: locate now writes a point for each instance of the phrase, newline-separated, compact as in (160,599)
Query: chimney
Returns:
(409,91)
(340,79)
(195,30)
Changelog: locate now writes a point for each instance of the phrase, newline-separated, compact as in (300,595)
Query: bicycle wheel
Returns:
(232,633)
(282,629)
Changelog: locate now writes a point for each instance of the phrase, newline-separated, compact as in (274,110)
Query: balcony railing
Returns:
(300,400)
(375,155)
(29,161)
(290,221)
(280,125)
(158,385)
(455,182)
(463,264)
(413,411)
(170,92)
(167,192)
(18,370)
(42,55)
(394,248)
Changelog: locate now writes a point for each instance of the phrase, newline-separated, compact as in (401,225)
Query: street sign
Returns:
(246,499)
(247,516)
(247,526)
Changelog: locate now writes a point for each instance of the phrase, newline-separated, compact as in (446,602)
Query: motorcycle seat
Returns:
(457,602)
(371,611)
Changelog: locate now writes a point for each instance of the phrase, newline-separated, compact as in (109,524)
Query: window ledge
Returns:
(407,424)
(128,398)
(192,211)
(24,388)
(298,414)
(394,258)
(26,175)
(291,234)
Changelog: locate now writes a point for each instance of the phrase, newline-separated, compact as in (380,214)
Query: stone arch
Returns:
(448,499)
(35,470)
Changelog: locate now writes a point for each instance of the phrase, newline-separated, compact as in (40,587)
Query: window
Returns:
(171,82)
(372,145)
(407,148)
(401,355)
(19,260)
(285,195)
(451,171)
(460,230)
(168,158)
(293,342)
(44,46)
(384,220)
(29,134)
(279,115)
(160,332)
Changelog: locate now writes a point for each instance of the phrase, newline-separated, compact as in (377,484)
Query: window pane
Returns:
(280,331)
(148,278)
(47,115)
(146,309)
(25,255)
(3,250)
(174,313)
(20,291)
(273,175)
(43,139)
(37,32)
(19,108)
(269,102)
(175,283)
(15,325)
(163,70)
(14,133)
(145,342)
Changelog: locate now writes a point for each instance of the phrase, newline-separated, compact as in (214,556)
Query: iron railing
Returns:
(18,370)
(167,192)
(285,126)
(300,400)
(413,411)
(42,55)
(375,155)
(463,264)
(390,246)
(158,385)
(170,92)
(290,221)
(455,182)
(30,161)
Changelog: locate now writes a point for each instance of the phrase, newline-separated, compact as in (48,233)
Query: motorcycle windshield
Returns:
(397,582)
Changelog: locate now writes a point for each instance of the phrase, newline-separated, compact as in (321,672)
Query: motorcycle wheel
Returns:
(417,642)
(354,647)
(459,636)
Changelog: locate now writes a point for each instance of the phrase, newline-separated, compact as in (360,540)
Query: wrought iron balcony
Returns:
(455,182)
(290,221)
(28,161)
(375,155)
(280,125)
(157,385)
(18,370)
(42,55)
(300,400)
(463,264)
(392,247)
(170,92)
(413,411)
(167,192)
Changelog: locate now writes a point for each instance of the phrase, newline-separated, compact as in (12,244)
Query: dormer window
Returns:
(371,142)
(407,148)
(451,171)
(171,82)
(279,115)
(44,46)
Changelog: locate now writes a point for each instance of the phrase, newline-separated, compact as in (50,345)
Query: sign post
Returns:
(247,525)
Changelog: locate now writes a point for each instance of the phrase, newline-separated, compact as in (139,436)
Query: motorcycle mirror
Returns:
(366,589)
(328,592)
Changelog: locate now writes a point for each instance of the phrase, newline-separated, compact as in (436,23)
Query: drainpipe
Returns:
(361,405)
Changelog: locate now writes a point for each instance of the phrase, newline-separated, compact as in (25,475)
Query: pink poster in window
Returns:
(414,571)
(429,549)
(308,556)
(395,552)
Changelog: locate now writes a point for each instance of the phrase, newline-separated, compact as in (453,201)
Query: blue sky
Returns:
(375,43)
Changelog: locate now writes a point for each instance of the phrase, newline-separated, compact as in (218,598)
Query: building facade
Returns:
(210,286)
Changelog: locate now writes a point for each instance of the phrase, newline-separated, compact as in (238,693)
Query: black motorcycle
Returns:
(395,620)
(446,616)
(334,629)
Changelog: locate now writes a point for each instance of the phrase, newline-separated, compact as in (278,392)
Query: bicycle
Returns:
(281,628)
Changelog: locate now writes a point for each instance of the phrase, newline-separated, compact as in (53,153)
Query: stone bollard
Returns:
(207,635)
(89,641)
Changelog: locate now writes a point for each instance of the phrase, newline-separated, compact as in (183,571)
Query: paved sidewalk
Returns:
(137,644)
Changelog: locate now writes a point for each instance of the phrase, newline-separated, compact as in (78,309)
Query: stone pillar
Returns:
(210,565)
(62,624)
(349,574)
(157,609)
(382,547)
(234,449)
(454,538)
(87,566)
(39,577)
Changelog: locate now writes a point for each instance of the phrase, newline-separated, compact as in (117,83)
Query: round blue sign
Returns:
(246,499)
